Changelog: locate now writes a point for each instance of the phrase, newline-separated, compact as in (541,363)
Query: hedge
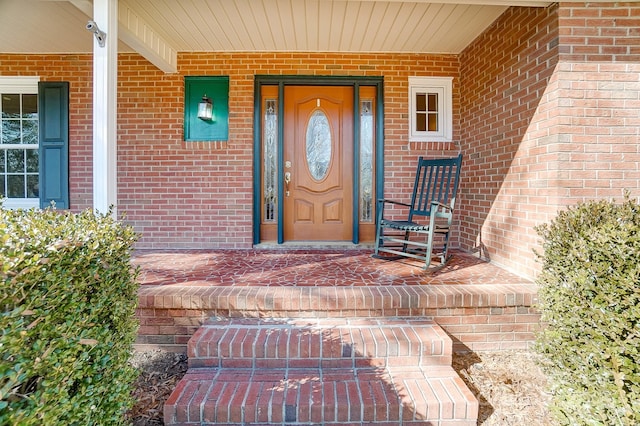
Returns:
(67,307)
(590,304)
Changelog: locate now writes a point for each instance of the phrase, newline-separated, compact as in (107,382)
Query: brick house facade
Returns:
(546,107)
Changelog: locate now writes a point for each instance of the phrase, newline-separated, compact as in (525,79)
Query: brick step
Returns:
(331,371)
(432,396)
(314,343)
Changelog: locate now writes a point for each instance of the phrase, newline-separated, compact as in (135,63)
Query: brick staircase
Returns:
(331,371)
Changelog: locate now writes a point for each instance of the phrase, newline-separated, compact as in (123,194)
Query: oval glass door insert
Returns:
(318,145)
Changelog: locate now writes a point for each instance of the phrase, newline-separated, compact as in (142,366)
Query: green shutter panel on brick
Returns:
(53,114)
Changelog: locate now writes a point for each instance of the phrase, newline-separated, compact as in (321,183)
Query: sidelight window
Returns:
(270,158)
(366,160)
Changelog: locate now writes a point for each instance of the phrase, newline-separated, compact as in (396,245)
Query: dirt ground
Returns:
(508,384)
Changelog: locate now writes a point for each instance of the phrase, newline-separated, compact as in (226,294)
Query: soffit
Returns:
(419,26)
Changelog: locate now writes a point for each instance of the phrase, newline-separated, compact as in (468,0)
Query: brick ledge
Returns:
(477,317)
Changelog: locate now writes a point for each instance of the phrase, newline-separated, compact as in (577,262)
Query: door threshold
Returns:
(314,245)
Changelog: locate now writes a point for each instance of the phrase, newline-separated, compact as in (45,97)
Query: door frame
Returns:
(281,81)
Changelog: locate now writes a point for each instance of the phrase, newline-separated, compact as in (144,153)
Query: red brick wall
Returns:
(198,194)
(504,75)
(600,32)
(549,117)
(598,83)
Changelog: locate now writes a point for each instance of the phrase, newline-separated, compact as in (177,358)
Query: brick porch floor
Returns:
(305,268)
(479,304)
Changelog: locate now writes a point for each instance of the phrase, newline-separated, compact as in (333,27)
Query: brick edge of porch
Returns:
(477,317)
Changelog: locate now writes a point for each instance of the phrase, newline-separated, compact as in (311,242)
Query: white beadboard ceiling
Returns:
(418,26)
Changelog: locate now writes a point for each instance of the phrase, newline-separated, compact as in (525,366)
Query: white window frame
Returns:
(19,85)
(443,86)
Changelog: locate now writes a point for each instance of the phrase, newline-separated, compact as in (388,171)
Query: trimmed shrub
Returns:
(67,307)
(590,301)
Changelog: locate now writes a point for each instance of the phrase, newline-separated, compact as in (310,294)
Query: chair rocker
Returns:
(429,213)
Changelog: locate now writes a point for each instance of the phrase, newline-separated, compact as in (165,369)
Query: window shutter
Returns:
(53,115)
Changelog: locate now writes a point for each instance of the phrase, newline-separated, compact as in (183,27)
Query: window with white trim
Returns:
(430,109)
(19,156)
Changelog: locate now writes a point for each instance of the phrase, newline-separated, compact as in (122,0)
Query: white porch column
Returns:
(105,80)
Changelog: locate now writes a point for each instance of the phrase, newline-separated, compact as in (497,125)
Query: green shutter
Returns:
(53,114)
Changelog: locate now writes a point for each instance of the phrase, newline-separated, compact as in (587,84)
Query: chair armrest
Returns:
(384,200)
(444,206)
(441,210)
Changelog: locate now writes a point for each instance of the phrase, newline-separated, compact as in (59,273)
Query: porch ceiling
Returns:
(157,29)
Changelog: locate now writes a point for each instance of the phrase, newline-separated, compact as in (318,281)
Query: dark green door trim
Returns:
(281,82)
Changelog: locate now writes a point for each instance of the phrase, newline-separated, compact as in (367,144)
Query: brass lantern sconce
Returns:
(205,109)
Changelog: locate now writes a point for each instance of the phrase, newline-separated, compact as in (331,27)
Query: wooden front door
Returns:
(318,163)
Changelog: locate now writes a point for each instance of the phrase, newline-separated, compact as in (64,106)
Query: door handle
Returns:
(287,179)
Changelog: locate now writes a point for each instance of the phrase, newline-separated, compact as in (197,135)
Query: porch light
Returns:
(205,109)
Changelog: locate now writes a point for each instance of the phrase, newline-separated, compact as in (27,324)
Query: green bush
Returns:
(590,301)
(67,307)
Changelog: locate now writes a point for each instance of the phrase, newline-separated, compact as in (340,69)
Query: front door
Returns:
(318,163)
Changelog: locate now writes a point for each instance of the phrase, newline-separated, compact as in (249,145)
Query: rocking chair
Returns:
(429,213)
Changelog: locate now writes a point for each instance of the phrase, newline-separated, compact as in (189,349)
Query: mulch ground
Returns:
(508,384)
(160,372)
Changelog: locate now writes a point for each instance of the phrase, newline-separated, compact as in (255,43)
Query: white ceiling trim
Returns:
(86,6)
(140,36)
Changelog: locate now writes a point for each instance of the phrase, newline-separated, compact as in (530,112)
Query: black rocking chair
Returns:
(429,213)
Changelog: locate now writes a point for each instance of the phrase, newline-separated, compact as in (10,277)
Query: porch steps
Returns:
(344,371)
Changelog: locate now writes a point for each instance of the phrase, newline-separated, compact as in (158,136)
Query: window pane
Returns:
(3,193)
(421,122)
(318,145)
(10,106)
(433,102)
(15,186)
(421,102)
(32,161)
(2,157)
(32,186)
(30,106)
(30,131)
(15,161)
(433,122)
(10,131)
